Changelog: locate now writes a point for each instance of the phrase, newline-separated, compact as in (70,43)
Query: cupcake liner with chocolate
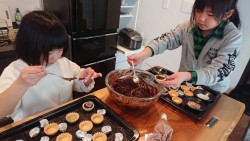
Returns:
(88,106)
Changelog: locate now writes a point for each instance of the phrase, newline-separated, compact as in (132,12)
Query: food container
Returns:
(200,95)
(116,123)
(204,95)
(132,101)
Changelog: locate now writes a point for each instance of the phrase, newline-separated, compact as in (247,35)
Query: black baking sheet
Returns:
(110,118)
(195,115)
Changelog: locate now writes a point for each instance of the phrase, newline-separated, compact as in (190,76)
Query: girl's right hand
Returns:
(139,57)
(31,75)
(136,58)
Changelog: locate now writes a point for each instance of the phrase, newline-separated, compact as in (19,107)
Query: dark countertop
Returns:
(7,55)
(7,48)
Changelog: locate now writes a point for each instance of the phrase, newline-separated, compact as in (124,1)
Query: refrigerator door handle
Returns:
(97,62)
(90,37)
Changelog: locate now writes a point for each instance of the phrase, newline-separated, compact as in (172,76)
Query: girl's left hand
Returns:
(89,75)
(176,79)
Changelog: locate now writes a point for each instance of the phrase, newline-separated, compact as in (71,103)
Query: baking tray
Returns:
(193,114)
(58,115)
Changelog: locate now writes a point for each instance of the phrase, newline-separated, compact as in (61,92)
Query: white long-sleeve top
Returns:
(49,92)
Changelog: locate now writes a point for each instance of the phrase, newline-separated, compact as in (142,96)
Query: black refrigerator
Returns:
(92,26)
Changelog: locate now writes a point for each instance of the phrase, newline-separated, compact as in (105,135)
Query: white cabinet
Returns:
(128,13)
(128,18)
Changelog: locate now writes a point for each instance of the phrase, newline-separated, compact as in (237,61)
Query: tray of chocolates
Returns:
(192,100)
(87,119)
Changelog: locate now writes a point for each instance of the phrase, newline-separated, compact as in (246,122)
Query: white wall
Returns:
(243,6)
(153,20)
(24,6)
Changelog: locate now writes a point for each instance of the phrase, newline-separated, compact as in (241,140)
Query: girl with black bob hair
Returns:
(210,43)
(36,37)
(219,8)
(26,85)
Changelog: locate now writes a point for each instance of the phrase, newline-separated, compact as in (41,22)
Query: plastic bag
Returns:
(162,131)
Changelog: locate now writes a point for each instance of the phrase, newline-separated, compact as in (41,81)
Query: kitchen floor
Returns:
(242,130)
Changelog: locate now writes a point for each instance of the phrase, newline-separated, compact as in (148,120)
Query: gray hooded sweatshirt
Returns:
(216,60)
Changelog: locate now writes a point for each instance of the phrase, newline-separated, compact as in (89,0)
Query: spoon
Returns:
(135,77)
(152,68)
(158,70)
(67,78)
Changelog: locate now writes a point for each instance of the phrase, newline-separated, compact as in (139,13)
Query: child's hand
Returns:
(139,57)
(136,58)
(89,74)
(29,76)
(176,79)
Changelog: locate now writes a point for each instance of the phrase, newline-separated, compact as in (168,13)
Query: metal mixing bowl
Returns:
(132,101)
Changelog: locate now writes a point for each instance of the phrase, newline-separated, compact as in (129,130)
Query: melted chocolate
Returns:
(89,104)
(127,87)
(161,77)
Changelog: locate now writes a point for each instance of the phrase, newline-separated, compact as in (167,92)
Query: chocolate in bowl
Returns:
(129,88)
(134,95)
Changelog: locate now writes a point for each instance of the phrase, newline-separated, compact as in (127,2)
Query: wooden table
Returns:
(185,129)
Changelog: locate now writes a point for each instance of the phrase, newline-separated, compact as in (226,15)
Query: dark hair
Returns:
(219,8)
(39,33)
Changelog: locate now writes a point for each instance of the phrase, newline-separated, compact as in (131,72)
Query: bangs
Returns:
(48,37)
(54,38)
(201,4)
(218,7)
(39,33)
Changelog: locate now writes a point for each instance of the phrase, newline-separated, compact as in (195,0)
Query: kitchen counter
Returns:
(185,129)
(7,48)
(7,55)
